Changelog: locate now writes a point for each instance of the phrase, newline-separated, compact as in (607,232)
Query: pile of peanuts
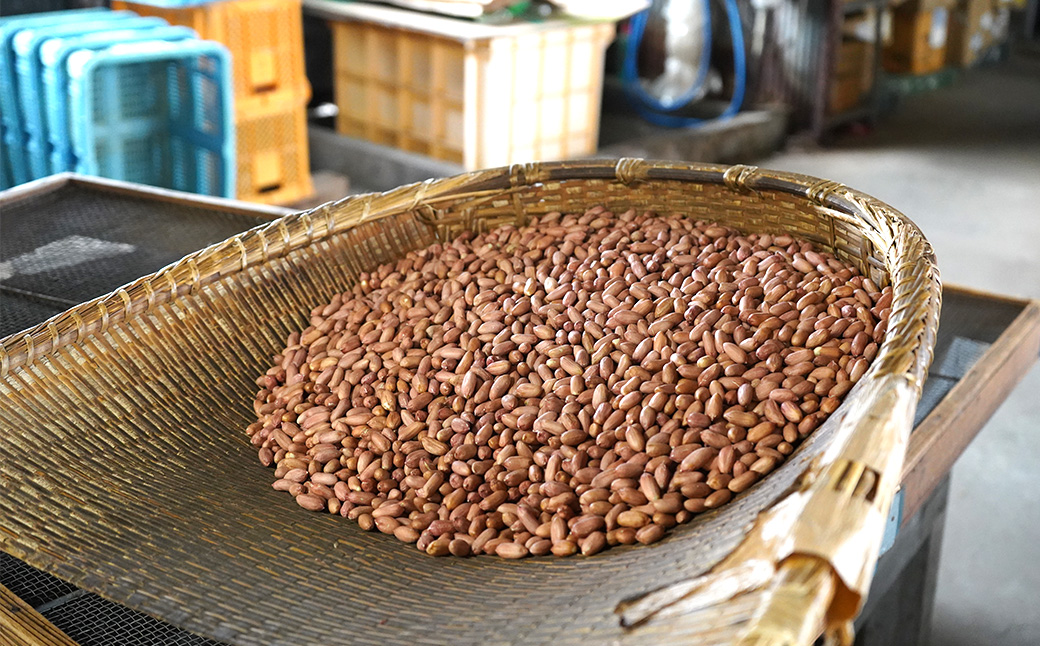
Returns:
(588,380)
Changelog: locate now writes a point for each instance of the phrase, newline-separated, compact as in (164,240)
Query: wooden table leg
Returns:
(898,611)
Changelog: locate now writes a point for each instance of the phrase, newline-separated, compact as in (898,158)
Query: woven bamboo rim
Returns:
(126,470)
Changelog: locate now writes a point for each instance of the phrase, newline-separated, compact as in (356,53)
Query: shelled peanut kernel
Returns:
(583,381)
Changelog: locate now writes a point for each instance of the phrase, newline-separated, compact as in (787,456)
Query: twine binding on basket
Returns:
(628,170)
(739,178)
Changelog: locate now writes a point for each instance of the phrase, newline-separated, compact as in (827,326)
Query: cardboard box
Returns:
(970,32)
(853,75)
(918,41)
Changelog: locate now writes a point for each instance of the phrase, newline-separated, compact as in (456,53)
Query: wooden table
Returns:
(986,343)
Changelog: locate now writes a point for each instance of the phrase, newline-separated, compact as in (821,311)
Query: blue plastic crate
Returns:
(155,112)
(54,55)
(10,114)
(27,43)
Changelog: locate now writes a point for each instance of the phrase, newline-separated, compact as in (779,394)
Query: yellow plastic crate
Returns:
(273,156)
(265,38)
(478,95)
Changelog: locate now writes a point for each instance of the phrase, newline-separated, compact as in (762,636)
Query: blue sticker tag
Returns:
(895,518)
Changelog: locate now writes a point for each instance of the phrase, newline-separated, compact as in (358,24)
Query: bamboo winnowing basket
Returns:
(125,467)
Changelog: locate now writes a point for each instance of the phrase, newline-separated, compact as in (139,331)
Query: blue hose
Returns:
(630,68)
(650,107)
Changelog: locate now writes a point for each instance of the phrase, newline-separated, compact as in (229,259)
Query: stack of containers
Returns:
(54,57)
(114,94)
(15,167)
(478,94)
(28,74)
(265,38)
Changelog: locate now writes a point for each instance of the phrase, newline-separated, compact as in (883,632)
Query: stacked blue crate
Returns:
(16,165)
(27,45)
(118,95)
(155,112)
(54,55)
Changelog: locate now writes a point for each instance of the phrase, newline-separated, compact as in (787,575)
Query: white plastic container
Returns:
(479,95)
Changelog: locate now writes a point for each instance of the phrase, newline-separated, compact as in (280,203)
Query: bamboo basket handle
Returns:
(795,612)
(819,586)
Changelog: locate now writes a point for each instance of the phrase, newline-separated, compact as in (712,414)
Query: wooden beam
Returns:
(20,625)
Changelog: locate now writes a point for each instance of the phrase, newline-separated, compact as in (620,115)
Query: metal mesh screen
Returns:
(86,617)
(34,587)
(93,621)
(60,248)
(19,311)
(66,246)
(952,360)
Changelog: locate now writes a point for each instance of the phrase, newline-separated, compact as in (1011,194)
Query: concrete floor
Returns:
(964,163)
